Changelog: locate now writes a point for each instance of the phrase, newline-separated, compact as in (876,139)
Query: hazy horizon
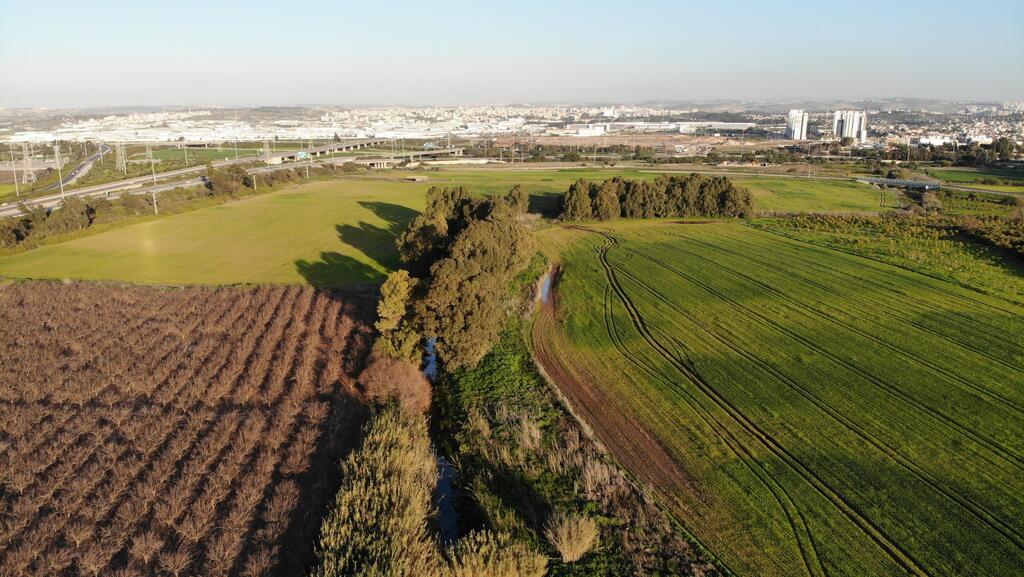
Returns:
(112,54)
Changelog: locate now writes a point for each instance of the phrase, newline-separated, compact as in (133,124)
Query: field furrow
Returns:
(847,416)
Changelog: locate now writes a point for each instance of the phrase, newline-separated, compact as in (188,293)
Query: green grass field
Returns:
(831,414)
(330,226)
(973,177)
(7,192)
(813,195)
(324,233)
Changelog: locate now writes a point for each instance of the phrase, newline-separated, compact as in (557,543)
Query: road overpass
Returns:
(324,150)
(901,183)
(399,157)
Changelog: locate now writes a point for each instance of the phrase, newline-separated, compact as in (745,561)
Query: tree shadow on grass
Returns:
(337,270)
(376,243)
(396,216)
(547,204)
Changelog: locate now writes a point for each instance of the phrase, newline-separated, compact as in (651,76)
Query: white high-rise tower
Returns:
(796,125)
(850,124)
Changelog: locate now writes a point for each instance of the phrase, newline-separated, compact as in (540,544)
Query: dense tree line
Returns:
(666,196)
(1002,149)
(461,255)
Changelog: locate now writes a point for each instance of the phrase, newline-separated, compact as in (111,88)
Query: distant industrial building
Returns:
(850,124)
(935,140)
(587,129)
(692,127)
(796,125)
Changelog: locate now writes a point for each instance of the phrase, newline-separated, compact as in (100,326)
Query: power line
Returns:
(14,171)
(152,168)
(60,176)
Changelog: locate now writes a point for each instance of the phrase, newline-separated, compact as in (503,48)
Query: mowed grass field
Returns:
(973,177)
(823,414)
(810,195)
(324,233)
(329,233)
(7,192)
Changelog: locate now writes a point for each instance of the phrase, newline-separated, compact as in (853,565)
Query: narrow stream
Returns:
(444,493)
(444,498)
(430,361)
(545,286)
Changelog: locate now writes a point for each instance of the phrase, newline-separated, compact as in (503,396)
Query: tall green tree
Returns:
(448,211)
(1003,148)
(606,201)
(519,199)
(464,306)
(398,339)
(577,205)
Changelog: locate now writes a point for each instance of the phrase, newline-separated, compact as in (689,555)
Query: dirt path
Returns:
(632,445)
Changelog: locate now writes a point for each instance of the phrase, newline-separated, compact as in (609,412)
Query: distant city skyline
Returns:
(454,53)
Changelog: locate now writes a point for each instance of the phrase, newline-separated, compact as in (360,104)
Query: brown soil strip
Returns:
(626,439)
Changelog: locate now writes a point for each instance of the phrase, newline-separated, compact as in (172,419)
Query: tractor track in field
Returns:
(597,409)
(911,278)
(822,314)
(920,305)
(947,292)
(950,422)
(982,514)
(870,305)
(628,441)
(981,390)
(808,551)
(851,511)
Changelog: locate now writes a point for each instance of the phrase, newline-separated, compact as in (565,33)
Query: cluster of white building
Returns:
(380,122)
(850,124)
(642,127)
(845,124)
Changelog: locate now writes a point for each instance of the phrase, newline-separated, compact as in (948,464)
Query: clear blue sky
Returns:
(87,53)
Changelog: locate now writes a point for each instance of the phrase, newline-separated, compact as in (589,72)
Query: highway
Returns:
(138,185)
(49,201)
(80,170)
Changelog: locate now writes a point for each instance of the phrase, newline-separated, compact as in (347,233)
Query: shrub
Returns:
(572,535)
(388,379)
(378,523)
(485,554)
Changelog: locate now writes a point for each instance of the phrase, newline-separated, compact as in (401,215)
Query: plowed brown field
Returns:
(149,431)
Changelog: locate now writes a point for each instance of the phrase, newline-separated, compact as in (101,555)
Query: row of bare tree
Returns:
(149,431)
